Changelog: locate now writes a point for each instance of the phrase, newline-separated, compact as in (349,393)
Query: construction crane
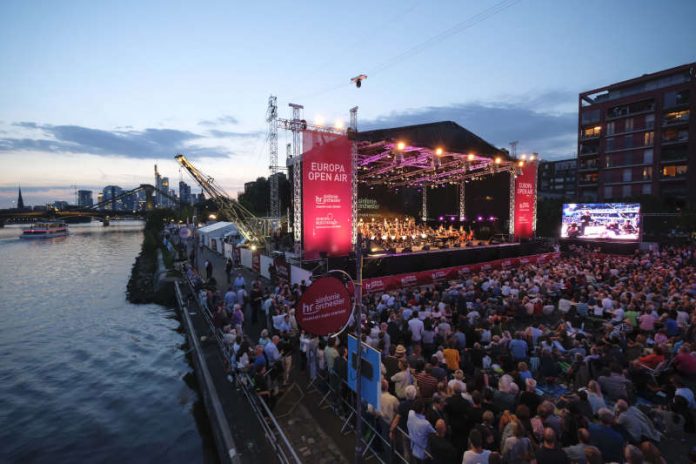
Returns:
(247,224)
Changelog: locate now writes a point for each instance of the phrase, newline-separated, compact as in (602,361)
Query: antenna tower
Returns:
(272,119)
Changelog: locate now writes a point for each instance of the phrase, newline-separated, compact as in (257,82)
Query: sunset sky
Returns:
(95,93)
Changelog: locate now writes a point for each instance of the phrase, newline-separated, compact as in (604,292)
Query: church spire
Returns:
(20,200)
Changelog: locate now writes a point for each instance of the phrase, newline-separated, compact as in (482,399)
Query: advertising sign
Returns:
(525,201)
(327,195)
(601,221)
(325,307)
(369,369)
(386,283)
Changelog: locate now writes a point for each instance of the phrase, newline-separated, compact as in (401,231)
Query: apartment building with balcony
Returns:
(557,179)
(638,137)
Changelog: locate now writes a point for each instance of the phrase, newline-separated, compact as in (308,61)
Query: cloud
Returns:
(233,134)
(140,144)
(221,121)
(527,120)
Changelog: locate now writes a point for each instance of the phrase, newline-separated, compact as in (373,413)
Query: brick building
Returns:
(636,138)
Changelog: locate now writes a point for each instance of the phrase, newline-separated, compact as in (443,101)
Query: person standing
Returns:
(228,269)
(256,298)
(208,269)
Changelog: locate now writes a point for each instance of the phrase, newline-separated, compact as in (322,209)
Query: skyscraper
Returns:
(84,198)
(165,188)
(158,185)
(184,193)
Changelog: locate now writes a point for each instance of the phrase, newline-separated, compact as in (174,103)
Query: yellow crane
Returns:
(248,225)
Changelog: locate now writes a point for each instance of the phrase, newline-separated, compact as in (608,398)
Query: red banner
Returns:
(325,307)
(525,201)
(327,195)
(386,283)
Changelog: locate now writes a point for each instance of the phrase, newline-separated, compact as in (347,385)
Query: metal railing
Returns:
(273,431)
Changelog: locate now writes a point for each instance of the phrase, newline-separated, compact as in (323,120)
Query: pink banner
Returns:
(525,201)
(327,195)
(386,283)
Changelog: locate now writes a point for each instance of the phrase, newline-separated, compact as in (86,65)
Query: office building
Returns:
(557,179)
(636,138)
(84,198)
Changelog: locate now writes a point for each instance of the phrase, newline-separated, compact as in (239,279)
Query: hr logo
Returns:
(308,309)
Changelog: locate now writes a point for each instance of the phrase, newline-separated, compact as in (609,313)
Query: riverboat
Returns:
(45,230)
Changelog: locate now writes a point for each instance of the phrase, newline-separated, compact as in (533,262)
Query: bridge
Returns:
(103,211)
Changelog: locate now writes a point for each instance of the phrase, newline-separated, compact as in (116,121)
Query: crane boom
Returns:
(242,218)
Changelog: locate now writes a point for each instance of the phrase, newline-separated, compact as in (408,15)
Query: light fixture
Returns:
(532,157)
(438,151)
(524,157)
(400,146)
(253,247)
(520,164)
(471,157)
(497,160)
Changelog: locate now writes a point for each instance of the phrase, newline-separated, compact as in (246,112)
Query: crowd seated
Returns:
(404,235)
(589,358)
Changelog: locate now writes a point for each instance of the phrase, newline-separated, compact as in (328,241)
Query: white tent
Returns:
(212,235)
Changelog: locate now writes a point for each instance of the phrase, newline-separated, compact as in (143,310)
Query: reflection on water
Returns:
(86,376)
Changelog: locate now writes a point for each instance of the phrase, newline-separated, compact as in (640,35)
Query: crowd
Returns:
(406,234)
(589,358)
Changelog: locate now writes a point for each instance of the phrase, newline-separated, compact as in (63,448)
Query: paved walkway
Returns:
(314,432)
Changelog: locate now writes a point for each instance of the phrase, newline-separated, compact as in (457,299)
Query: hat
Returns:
(400,350)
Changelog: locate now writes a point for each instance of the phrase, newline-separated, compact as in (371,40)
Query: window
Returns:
(628,125)
(676,117)
(648,138)
(610,128)
(649,121)
(610,143)
(674,153)
(648,156)
(590,116)
(676,170)
(646,189)
(647,173)
(674,135)
(628,141)
(676,98)
(625,191)
(627,175)
(590,132)
(608,191)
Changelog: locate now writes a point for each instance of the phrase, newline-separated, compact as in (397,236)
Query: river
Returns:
(86,376)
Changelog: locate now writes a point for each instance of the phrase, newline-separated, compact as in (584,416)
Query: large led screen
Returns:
(601,221)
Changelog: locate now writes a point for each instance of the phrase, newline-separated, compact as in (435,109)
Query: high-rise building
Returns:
(111,193)
(158,185)
(20,200)
(637,137)
(84,198)
(164,186)
(557,179)
(184,193)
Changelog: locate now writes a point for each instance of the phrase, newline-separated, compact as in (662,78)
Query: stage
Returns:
(393,264)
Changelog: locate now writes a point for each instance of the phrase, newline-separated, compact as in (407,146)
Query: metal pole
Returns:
(358,367)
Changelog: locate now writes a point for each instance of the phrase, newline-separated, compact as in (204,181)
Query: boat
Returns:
(45,230)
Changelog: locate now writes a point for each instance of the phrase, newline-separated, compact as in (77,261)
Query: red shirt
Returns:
(651,360)
(685,363)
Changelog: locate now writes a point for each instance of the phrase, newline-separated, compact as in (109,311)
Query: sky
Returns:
(95,93)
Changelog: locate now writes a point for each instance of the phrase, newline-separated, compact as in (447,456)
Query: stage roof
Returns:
(426,155)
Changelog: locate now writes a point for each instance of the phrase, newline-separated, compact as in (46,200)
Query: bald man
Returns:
(440,446)
(576,453)
(550,453)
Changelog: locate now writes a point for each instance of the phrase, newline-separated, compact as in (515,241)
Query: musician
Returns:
(585,221)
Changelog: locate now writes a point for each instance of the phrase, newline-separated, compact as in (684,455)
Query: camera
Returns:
(357,80)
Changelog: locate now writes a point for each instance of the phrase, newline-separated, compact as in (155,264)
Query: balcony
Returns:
(676,118)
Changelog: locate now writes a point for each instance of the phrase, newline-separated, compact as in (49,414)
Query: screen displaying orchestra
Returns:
(601,221)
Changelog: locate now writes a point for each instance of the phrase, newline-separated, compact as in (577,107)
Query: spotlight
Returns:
(532,157)
(520,164)
(400,146)
(471,157)
(524,157)
(438,151)
(498,160)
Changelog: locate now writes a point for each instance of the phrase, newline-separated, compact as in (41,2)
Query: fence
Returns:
(274,433)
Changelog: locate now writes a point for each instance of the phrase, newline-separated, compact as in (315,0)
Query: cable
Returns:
(454,30)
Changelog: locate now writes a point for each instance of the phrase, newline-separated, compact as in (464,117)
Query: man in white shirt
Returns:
(415,325)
